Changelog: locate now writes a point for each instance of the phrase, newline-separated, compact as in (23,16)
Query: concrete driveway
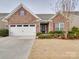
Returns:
(15,47)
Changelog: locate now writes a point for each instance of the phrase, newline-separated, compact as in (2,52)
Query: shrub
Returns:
(75,29)
(45,36)
(38,33)
(59,34)
(74,33)
(71,35)
(50,32)
(4,32)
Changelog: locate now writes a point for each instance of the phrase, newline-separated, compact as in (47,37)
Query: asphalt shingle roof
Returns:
(45,16)
(2,15)
(74,12)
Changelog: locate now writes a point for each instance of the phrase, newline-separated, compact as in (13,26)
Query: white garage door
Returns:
(22,30)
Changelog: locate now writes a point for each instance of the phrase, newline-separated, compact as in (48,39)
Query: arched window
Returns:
(22,13)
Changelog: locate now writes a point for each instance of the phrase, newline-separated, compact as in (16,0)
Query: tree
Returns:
(66,5)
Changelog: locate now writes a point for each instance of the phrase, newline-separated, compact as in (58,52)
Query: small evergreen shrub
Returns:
(71,35)
(39,33)
(4,32)
(74,33)
(45,36)
(51,32)
(59,34)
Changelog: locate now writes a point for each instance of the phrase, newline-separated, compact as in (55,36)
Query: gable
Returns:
(15,18)
(59,18)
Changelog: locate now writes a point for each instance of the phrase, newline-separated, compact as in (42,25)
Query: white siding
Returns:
(74,21)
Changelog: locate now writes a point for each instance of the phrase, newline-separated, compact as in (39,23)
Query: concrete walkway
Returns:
(15,47)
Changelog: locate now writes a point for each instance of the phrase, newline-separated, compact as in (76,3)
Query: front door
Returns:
(44,28)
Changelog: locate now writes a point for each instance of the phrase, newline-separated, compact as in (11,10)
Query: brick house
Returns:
(23,22)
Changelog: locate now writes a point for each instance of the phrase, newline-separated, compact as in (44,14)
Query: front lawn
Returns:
(55,49)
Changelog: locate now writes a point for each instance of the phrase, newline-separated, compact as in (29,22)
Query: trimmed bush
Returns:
(4,32)
(75,29)
(45,36)
(71,35)
(50,32)
(59,34)
(74,33)
(38,34)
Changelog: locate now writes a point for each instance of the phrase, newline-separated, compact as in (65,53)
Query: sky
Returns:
(36,6)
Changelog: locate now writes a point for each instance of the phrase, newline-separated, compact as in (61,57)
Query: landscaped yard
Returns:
(55,49)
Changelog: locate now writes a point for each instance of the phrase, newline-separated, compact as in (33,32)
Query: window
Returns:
(59,26)
(56,27)
(12,25)
(22,13)
(19,25)
(32,25)
(25,25)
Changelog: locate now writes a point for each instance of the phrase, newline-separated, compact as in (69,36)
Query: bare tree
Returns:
(66,5)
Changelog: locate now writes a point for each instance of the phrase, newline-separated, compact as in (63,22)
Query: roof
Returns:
(45,16)
(2,15)
(76,13)
(73,12)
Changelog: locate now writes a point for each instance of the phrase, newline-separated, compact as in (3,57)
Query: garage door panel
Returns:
(23,31)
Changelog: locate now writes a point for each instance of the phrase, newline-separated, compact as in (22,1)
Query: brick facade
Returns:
(17,19)
(59,18)
(28,18)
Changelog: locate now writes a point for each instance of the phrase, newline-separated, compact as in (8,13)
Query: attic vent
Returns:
(22,13)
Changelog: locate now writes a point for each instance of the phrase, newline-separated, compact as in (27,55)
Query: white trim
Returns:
(21,5)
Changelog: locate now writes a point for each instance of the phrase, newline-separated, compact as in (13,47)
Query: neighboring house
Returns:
(22,22)
(74,20)
(3,24)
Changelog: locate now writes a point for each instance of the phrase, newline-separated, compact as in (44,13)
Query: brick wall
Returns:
(17,19)
(57,19)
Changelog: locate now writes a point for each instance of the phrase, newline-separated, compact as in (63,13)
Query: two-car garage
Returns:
(28,30)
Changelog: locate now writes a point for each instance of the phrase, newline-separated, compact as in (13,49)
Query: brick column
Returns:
(38,27)
(50,26)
